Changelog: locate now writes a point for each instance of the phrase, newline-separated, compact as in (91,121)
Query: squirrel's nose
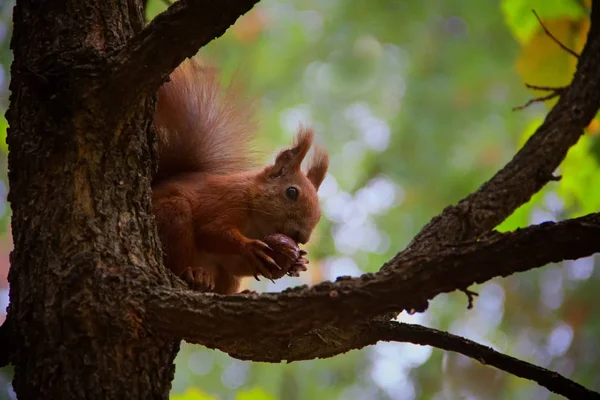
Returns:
(300,238)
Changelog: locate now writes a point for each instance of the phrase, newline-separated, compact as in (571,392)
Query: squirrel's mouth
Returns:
(300,238)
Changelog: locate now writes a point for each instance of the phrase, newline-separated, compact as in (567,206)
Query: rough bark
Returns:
(80,163)
(94,314)
(85,241)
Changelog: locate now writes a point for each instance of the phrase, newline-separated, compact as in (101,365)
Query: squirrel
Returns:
(212,205)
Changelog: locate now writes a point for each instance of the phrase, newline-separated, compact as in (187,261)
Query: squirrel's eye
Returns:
(291,193)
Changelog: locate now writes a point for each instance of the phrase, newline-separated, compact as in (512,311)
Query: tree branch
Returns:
(554,38)
(139,69)
(532,167)
(330,341)
(216,321)
(416,334)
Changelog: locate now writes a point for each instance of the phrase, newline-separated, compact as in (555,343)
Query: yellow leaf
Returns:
(594,127)
(3,128)
(253,394)
(193,394)
(542,61)
(580,36)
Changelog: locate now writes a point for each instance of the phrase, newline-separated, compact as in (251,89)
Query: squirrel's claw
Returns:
(198,279)
(260,260)
(299,265)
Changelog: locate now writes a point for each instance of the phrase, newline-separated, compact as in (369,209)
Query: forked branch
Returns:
(176,34)
(554,92)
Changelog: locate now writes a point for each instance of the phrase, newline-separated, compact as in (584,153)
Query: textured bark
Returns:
(81,154)
(85,242)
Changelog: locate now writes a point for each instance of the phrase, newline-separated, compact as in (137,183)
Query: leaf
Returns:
(543,62)
(593,128)
(193,394)
(520,217)
(155,7)
(254,394)
(3,128)
(522,22)
(580,171)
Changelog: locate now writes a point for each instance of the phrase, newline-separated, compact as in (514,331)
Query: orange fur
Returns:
(202,126)
(212,208)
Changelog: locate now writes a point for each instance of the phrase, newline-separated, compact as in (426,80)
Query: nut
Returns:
(286,254)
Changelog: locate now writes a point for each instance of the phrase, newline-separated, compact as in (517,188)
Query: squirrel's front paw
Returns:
(299,265)
(199,279)
(260,260)
(286,254)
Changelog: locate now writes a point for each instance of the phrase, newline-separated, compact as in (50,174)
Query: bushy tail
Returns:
(202,126)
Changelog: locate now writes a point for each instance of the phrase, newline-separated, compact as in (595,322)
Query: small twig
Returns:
(546,88)
(565,48)
(470,294)
(555,93)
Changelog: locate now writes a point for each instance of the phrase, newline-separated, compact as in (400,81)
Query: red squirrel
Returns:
(211,205)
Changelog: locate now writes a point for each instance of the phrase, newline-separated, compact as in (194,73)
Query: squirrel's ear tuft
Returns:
(288,161)
(318,166)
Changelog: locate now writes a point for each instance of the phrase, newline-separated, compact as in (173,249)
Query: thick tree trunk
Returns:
(85,244)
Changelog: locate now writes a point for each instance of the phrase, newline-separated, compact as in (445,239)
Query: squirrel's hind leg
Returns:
(176,231)
(225,283)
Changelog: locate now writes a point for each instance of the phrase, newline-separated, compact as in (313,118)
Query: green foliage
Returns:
(193,394)
(253,394)
(522,22)
(3,128)
(197,394)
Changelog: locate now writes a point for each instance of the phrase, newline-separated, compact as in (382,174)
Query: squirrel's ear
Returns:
(318,166)
(288,161)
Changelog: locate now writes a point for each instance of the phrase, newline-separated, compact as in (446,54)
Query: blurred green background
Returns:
(413,100)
